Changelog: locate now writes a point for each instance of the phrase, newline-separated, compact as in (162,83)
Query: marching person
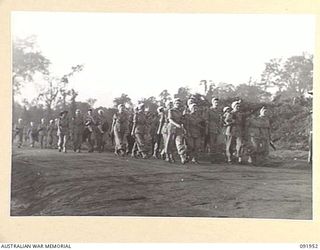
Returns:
(63,131)
(88,134)
(102,127)
(213,127)
(139,130)
(164,129)
(19,131)
(32,134)
(77,130)
(51,133)
(120,128)
(226,112)
(42,132)
(259,137)
(130,138)
(176,132)
(193,128)
(158,124)
(234,133)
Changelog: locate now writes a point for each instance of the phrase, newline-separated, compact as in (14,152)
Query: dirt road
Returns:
(46,182)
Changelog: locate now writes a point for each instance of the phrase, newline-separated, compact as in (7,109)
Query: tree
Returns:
(150,103)
(183,94)
(123,99)
(27,60)
(222,91)
(164,97)
(49,95)
(55,92)
(294,76)
(252,93)
(91,101)
(73,105)
(64,92)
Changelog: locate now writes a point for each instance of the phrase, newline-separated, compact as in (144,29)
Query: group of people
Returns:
(176,129)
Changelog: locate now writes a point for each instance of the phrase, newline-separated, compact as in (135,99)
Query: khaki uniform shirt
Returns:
(121,122)
(214,121)
(140,123)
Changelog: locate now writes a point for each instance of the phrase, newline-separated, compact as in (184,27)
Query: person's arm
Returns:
(229,120)
(161,122)
(170,118)
(135,118)
(113,123)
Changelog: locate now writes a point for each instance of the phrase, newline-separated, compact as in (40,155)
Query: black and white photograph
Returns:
(162,115)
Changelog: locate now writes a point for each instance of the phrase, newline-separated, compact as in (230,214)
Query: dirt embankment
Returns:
(45,182)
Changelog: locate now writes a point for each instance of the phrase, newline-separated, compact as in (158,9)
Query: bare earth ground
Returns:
(46,182)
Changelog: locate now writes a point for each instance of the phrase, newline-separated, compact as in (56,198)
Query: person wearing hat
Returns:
(77,130)
(88,134)
(190,101)
(19,131)
(102,127)
(42,132)
(259,137)
(155,131)
(213,127)
(193,127)
(234,133)
(226,112)
(164,128)
(63,131)
(176,132)
(52,133)
(139,130)
(131,142)
(120,128)
(236,130)
(32,134)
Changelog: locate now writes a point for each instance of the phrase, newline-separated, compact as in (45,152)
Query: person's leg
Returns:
(60,141)
(64,144)
(20,139)
(197,143)
(239,148)
(168,146)
(229,139)
(181,147)
(140,140)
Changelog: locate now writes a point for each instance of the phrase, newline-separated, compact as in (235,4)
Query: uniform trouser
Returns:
(213,141)
(50,140)
(230,142)
(77,140)
(100,141)
(120,138)
(87,137)
(141,142)
(32,138)
(193,146)
(179,140)
(206,143)
(156,142)
(131,142)
(62,141)
(259,148)
(20,138)
(43,141)
(164,138)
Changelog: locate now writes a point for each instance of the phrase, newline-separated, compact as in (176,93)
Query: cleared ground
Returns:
(46,182)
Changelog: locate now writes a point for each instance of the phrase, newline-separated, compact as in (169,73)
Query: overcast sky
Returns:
(142,54)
